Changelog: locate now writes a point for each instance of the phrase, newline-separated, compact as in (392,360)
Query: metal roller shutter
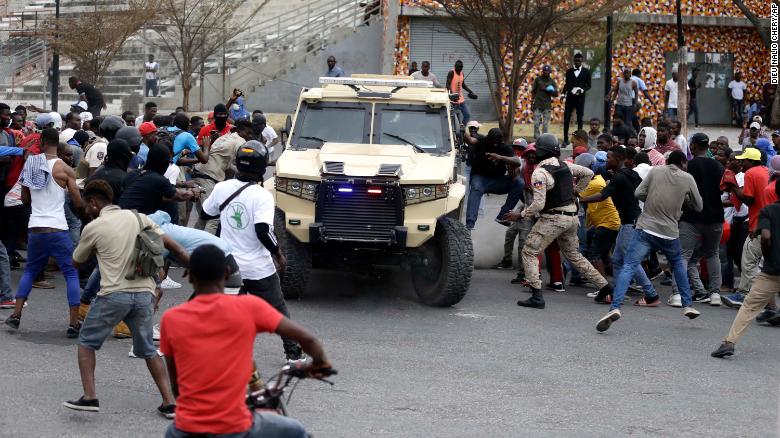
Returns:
(430,40)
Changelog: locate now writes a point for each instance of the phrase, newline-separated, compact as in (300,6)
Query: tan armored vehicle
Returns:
(367,177)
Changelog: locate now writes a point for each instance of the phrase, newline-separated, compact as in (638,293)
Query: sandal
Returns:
(642,302)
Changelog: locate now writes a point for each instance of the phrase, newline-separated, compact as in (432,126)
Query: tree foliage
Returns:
(510,37)
(190,31)
(92,39)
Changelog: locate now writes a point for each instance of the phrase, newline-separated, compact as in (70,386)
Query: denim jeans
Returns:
(464,111)
(264,425)
(151,85)
(134,308)
(498,185)
(619,256)
(726,267)
(671,113)
(641,244)
(6,294)
(92,287)
(739,108)
(41,246)
(467,175)
(697,241)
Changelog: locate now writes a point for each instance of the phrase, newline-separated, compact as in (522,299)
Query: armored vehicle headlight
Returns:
(299,188)
(415,194)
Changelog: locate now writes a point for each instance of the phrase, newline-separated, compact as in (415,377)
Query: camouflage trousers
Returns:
(562,228)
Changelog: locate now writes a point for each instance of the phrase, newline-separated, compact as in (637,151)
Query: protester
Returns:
(593,134)
(624,94)
(648,138)
(543,90)
(208,344)
(88,93)
(657,229)
(425,74)
(150,111)
(737,88)
(125,296)
(45,180)
(151,67)
(334,71)
(219,127)
(455,84)
(670,96)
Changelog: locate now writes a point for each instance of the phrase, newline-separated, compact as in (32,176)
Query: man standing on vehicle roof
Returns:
(455,85)
(553,200)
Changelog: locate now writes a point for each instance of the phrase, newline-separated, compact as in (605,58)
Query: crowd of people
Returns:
(106,202)
(619,202)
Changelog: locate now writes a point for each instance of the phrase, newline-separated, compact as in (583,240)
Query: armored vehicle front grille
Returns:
(360,210)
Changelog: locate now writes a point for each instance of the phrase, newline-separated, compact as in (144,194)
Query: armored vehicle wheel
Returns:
(447,260)
(295,277)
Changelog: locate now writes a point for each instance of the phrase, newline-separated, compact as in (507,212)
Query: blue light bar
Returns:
(345,189)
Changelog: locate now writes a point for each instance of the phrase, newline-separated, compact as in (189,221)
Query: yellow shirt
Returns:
(600,214)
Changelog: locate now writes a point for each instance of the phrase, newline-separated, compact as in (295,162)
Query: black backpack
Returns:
(166,137)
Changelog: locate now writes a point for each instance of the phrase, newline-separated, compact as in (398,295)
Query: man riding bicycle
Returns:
(208,343)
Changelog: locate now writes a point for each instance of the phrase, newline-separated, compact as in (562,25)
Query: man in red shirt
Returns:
(752,195)
(219,127)
(208,344)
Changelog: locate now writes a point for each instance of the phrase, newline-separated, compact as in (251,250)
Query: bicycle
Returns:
(270,398)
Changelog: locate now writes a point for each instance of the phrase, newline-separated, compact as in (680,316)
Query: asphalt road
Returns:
(482,368)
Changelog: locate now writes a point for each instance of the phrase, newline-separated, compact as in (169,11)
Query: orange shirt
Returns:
(456,86)
(756,180)
(211,339)
(770,197)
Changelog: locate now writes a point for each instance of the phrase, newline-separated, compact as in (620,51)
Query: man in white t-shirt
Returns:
(737,92)
(670,92)
(246,213)
(151,68)
(425,74)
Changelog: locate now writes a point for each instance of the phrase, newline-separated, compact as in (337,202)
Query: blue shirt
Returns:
(189,238)
(183,141)
(335,72)
(143,151)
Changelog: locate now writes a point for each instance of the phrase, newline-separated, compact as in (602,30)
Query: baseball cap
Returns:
(474,124)
(751,154)
(755,125)
(520,143)
(547,68)
(147,128)
(56,118)
(700,137)
(43,120)
(86,116)
(758,119)
(776,133)
(79,106)
(579,150)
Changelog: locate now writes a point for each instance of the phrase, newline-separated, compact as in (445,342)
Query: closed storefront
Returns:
(431,40)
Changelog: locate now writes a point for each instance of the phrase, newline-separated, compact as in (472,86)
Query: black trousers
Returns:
(573,103)
(270,289)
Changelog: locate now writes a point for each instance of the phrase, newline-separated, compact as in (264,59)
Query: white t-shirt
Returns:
(139,120)
(418,76)
(737,89)
(671,87)
(151,74)
(252,206)
(172,173)
(269,135)
(683,142)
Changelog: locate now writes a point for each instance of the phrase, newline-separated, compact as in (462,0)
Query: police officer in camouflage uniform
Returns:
(553,200)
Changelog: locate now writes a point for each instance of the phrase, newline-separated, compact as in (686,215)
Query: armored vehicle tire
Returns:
(444,277)
(295,277)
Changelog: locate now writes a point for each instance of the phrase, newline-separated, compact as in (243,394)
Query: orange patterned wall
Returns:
(689,7)
(402,46)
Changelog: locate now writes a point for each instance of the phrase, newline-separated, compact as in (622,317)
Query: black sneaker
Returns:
(519,279)
(700,297)
(294,355)
(503,265)
(13,322)
(167,411)
(73,331)
(725,349)
(766,315)
(556,287)
(83,405)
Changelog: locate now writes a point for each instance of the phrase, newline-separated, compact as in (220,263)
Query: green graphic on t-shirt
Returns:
(237,216)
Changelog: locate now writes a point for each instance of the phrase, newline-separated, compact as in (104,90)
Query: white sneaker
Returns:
(592,294)
(131,354)
(605,322)
(691,313)
(675,300)
(156,332)
(170,284)
(715,299)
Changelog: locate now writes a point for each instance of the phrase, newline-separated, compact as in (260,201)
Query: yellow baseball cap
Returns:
(752,154)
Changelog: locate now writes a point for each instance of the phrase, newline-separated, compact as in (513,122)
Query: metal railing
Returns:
(26,64)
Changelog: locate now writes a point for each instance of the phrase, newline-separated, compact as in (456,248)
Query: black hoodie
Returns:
(621,189)
(114,169)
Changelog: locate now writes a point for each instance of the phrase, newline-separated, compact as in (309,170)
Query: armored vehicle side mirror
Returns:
(286,131)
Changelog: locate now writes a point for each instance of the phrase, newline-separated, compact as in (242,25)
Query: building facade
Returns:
(721,41)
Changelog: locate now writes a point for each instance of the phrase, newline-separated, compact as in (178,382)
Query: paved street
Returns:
(482,368)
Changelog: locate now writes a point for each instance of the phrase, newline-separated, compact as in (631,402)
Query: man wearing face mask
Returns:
(219,127)
(493,170)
